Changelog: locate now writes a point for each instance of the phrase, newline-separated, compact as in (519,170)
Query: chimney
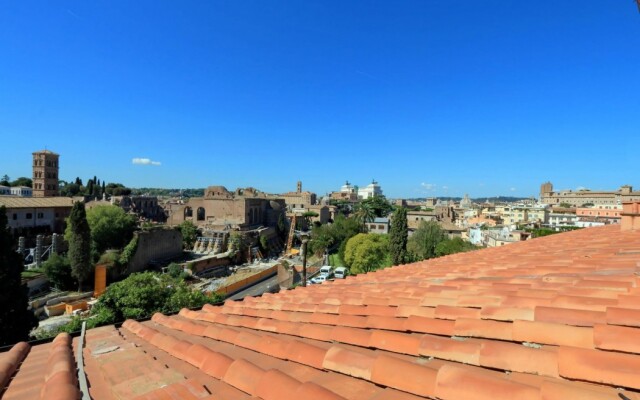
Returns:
(630,216)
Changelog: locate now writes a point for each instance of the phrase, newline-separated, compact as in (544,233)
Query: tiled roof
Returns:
(35,202)
(551,318)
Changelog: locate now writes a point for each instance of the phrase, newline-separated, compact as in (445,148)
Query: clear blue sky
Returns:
(428,97)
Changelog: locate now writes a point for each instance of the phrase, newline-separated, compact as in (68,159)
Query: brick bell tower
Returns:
(45,173)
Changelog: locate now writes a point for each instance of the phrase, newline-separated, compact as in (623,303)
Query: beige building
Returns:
(415,218)
(581,197)
(221,209)
(298,199)
(32,214)
(45,173)
(347,192)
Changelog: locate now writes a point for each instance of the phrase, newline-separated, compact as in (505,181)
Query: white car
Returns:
(319,279)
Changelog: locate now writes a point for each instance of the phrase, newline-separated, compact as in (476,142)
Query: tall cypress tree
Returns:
(398,236)
(15,319)
(79,244)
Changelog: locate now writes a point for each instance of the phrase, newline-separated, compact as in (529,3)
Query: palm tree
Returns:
(365,214)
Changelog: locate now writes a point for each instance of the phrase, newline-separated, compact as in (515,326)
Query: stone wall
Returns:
(155,245)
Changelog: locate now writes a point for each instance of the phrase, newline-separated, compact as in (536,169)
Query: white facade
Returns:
(562,219)
(476,237)
(22,191)
(5,190)
(31,218)
(371,190)
(347,188)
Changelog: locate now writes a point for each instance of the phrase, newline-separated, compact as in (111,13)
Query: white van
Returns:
(341,273)
(325,270)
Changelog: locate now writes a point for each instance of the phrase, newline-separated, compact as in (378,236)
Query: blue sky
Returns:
(430,98)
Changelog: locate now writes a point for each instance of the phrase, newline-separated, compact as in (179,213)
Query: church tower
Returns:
(45,173)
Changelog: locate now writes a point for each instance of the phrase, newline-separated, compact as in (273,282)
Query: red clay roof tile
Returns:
(454,382)
(390,334)
(552,333)
(620,338)
(406,376)
(598,366)
(349,362)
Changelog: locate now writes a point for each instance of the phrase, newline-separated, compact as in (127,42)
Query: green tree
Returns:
(322,237)
(378,204)
(89,188)
(329,236)
(189,234)
(111,227)
(307,216)
(15,318)
(143,294)
(175,270)
(4,181)
(565,205)
(398,236)
(79,239)
(365,213)
(70,190)
(367,252)
(452,246)
(422,244)
(22,181)
(58,270)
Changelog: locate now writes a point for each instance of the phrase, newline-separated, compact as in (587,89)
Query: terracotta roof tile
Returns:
(618,369)
(550,318)
(552,333)
(349,362)
(460,383)
(620,338)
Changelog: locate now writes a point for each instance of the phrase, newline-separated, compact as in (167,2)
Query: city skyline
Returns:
(429,99)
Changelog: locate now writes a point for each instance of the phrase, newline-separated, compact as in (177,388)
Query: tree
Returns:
(89,189)
(378,204)
(367,252)
(15,318)
(327,237)
(307,216)
(422,244)
(189,234)
(22,181)
(78,181)
(79,237)
(4,181)
(365,213)
(565,205)
(398,236)
(452,246)
(143,294)
(70,190)
(58,270)
(111,227)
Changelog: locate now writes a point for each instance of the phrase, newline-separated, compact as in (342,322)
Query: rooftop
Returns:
(556,317)
(35,202)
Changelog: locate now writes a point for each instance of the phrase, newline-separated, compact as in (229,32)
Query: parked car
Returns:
(319,279)
(341,273)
